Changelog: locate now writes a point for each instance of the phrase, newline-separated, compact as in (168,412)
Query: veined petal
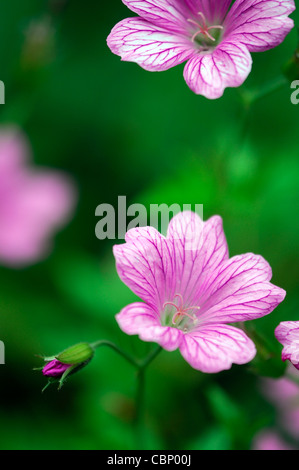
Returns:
(145,265)
(213,10)
(209,73)
(238,290)
(287,333)
(259,24)
(140,319)
(197,246)
(167,14)
(214,348)
(152,47)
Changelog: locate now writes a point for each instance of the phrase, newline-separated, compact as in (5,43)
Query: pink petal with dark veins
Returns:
(209,73)
(238,290)
(140,319)
(259,24)
(151,47)
(213,348)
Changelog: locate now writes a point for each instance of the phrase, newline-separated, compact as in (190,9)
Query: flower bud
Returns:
(67,362)
(55,369)
(76,354)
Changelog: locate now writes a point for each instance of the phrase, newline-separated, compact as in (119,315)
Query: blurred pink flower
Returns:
(270,440)
(213,38)
(33,202)
(284,394)
(192,289)
(287,333)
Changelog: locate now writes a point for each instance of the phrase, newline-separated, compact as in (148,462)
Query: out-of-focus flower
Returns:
(287,333)
(192,290)
(284,395)
(39,44)
(34,203)
(268,439)
(215,40)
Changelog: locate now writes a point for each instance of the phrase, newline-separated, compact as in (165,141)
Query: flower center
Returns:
(182,318)
(204,35)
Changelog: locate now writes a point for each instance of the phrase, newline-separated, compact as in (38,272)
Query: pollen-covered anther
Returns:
(203,28)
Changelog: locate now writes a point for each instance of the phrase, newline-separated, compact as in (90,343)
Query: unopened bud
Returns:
(67,362)
(55,369)
(77,354)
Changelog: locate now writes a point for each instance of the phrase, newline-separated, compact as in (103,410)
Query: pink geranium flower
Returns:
(33,203)
(287,333)
(191,290)
(214,40)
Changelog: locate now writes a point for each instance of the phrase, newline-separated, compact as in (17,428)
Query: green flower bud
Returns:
(76,354)
(66,363)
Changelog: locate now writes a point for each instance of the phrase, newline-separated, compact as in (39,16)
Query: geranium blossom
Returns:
(213,38)
(33,202)
(192,290)
(287,333)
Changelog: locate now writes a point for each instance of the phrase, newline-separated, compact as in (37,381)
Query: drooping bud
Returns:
(76,354)
(67,362)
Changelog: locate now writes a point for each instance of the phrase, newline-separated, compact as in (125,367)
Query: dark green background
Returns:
(119,130)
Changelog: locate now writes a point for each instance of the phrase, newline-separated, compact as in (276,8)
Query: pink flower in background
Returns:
(214,40)
(192,290)
(284,395)
(287,333)
(33,203)
(269,439)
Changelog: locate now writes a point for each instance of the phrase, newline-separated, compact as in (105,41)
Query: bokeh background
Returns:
(115,129)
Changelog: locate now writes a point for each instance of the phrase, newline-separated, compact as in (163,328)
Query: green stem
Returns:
(140,395)
(113,346)
(249,97)
(141,366)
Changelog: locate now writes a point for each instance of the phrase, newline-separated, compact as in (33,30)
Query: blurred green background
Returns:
(119,130)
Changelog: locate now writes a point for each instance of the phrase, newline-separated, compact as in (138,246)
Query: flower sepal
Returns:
(68,362)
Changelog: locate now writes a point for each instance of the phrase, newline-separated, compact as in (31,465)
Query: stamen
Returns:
(183,314)
(170,303)
(191,308)
(203,28)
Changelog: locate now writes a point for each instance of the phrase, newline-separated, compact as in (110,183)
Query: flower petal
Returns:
(239,290)
(167,14)
(145,265)
(214,11)
(140,319)
(209,73)
(197,246)
(259,24)
(214,348)
(287,333)
(152,47)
